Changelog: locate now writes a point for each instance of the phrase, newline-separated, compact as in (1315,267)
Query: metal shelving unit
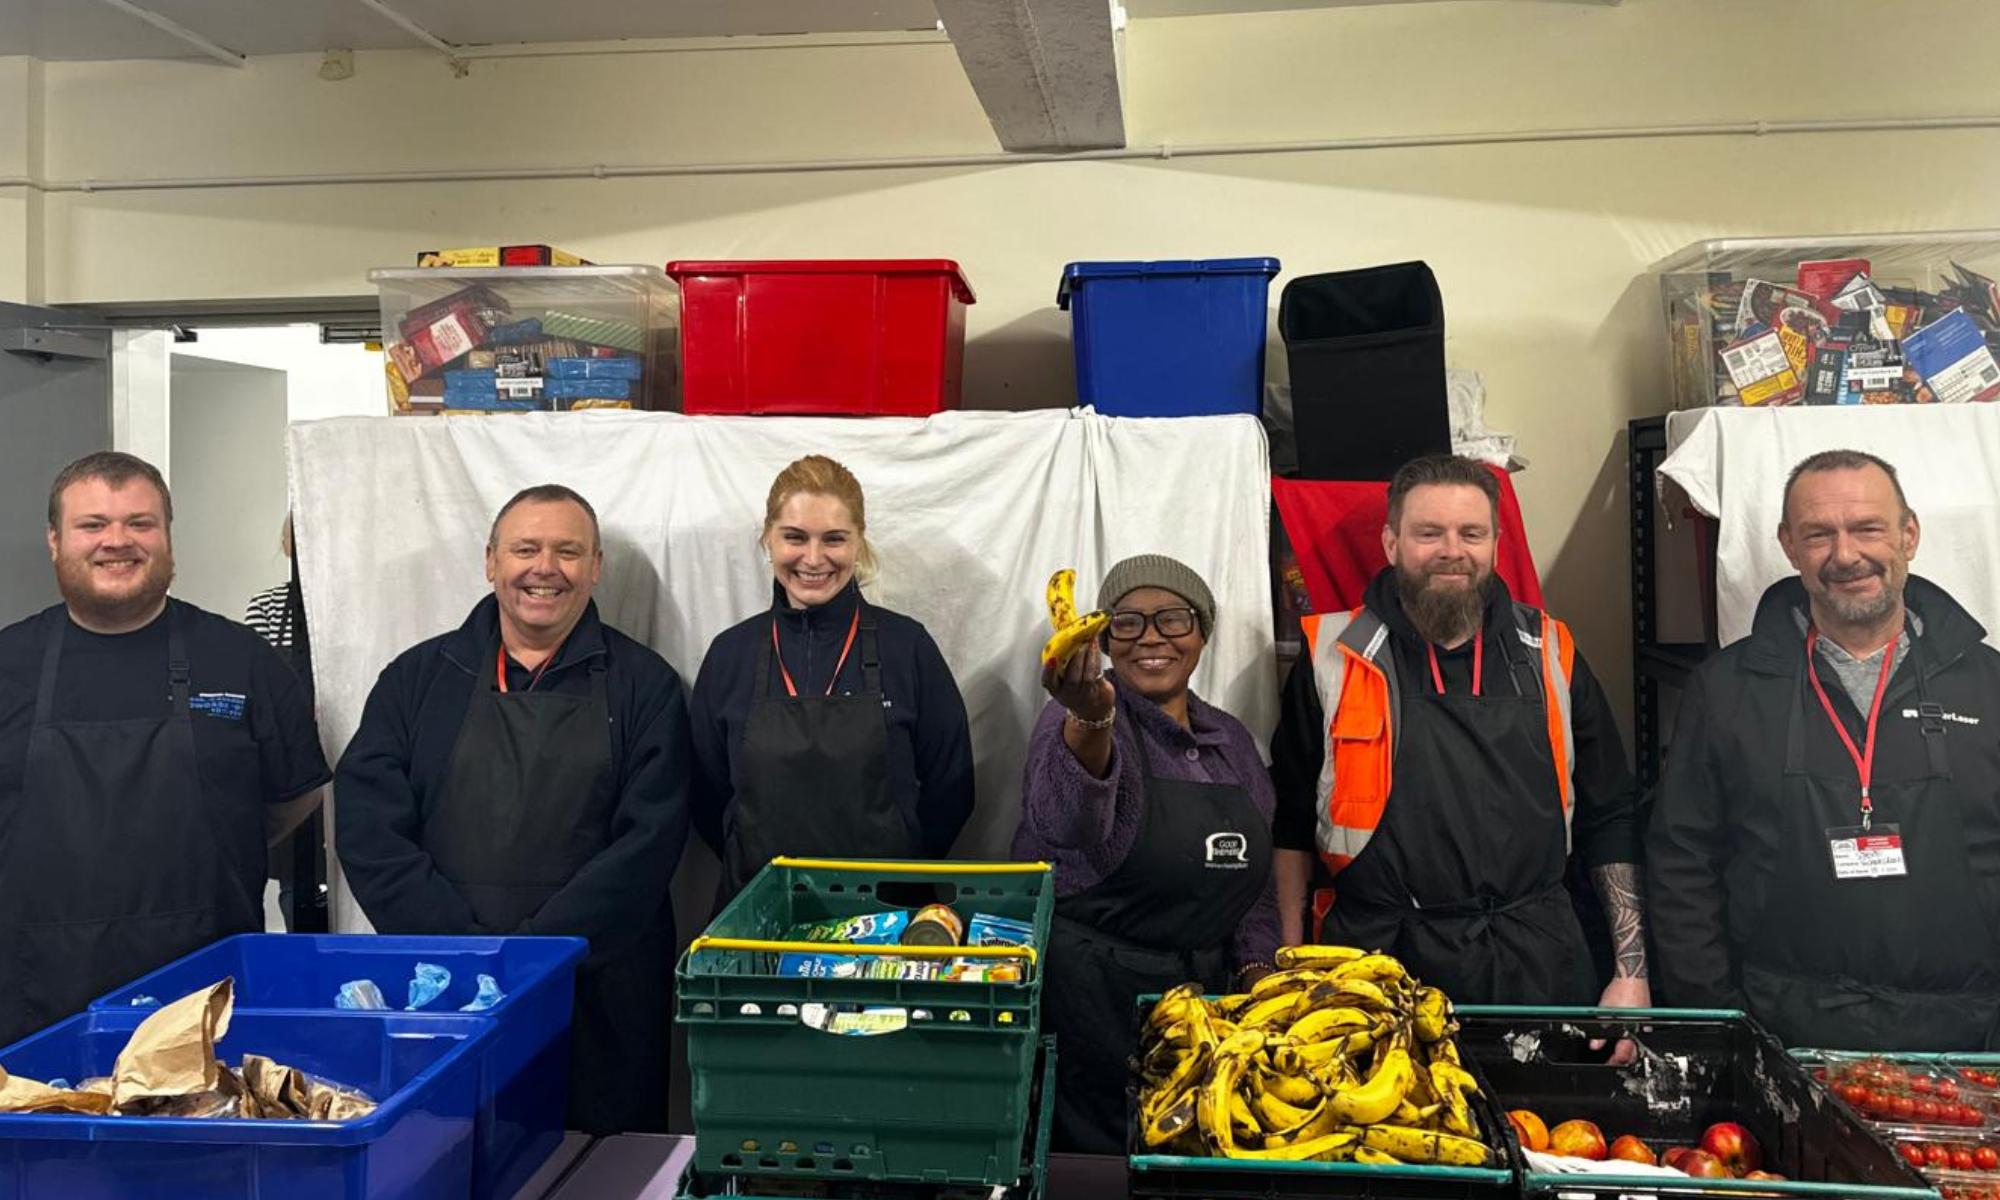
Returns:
(1653,662)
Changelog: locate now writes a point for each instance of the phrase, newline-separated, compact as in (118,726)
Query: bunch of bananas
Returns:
(1338,1055)
(1074,631)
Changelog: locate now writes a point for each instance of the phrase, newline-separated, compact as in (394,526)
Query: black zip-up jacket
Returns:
(399,756)
(930,745)
(1719,828)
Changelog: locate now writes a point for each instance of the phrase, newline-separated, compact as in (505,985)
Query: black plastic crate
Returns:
(1032,1185)
(1695,1068)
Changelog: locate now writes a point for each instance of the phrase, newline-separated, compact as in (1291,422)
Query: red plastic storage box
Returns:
(868,337)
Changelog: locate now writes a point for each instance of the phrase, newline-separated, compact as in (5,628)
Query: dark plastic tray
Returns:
(1700,1067)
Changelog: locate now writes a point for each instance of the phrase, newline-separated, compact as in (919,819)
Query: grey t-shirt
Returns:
(1858,676)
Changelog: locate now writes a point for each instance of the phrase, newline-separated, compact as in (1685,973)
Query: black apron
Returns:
(527,801)
(1484,759)
(1168,915)
(116,858)
(812,775)
(1811,924)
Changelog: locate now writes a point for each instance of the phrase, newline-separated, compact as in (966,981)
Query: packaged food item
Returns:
(533,255)
(934,925)
(856,966)
(1951,357)
(868,929)
(1761,370)
(989,930)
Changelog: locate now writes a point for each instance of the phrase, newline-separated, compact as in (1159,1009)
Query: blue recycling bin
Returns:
(418,1144)
(523,1072)
(1169,339)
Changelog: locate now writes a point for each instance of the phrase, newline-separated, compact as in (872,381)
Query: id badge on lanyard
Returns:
(1867,850)
(1873,853)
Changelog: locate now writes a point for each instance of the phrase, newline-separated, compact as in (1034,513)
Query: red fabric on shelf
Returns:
(1336,532)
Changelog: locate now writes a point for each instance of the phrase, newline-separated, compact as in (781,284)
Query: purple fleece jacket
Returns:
(1086,826)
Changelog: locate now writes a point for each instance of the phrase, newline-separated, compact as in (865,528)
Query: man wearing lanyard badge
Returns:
(1825,847)
(527,773)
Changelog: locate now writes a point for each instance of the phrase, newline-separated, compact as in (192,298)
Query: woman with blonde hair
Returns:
(825,726)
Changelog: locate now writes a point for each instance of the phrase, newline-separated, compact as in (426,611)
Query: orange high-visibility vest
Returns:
(1360,694)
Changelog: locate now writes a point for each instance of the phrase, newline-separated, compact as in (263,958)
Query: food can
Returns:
(934,925)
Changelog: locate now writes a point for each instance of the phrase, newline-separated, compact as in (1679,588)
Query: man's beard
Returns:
(1442,615)
(1861,612)
(73,580)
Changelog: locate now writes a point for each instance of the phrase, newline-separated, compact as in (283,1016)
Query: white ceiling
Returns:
(58,30)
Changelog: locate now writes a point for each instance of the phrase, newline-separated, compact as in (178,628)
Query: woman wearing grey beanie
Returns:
(1155,808)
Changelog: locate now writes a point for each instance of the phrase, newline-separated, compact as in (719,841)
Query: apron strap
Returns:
(1795,725)
(45,690)
(1480,909)
(871,658)
(177,662)
(1930,717)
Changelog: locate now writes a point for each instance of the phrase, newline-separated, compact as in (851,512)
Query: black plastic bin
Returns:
(1697,1067)
(1366,350)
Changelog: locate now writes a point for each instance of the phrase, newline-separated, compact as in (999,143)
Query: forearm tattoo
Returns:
(1618,887)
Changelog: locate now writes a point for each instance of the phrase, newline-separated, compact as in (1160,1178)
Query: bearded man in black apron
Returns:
(148,752)
(1825,847)
(1444,751)
(1155,808)
(527,774)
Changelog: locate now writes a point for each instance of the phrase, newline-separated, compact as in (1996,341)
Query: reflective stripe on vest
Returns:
(1361,695)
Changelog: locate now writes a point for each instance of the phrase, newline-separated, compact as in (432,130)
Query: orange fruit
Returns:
(1533,1133)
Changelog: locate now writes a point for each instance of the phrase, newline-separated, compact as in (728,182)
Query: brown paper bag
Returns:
(172,1053)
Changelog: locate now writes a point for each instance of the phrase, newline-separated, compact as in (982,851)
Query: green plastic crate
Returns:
(943,1100)
(1031,1184)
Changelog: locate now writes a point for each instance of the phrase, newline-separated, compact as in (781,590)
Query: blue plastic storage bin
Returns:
(418,1145)
(523,1071)
(1169,339)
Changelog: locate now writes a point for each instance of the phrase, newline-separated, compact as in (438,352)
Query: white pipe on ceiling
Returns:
(1162,151)
(173,28)
(410,27)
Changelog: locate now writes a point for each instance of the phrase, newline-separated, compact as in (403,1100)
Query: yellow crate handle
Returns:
(890,951)
(906,868)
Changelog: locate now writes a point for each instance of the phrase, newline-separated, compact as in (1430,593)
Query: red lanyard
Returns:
(791,689)
(500,667)
(1864,759)
(1478,661)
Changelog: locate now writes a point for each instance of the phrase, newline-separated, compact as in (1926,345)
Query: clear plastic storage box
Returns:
(529,339)
(1813,334)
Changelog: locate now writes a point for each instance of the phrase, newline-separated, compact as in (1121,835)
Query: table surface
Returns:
(642,1166)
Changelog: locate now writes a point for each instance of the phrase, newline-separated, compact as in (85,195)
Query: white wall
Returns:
(228,437)
(1540,246)
(321,381)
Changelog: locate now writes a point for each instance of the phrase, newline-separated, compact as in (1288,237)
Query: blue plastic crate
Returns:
(1169,339)
(418,1145)
(523,1070)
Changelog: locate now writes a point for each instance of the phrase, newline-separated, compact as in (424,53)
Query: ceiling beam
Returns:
(173,28)
(1046,71)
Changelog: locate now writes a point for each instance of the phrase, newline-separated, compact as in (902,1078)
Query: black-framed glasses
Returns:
(1130,626)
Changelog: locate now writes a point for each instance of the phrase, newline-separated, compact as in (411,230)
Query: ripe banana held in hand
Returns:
(1073,631)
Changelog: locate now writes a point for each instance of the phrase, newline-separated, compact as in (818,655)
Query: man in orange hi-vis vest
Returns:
(1441,753)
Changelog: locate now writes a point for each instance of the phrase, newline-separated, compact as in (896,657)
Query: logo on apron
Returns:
(1227,852)
(227,706)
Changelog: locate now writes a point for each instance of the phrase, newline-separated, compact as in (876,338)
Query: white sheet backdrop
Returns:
(1732,462)
(969,513)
